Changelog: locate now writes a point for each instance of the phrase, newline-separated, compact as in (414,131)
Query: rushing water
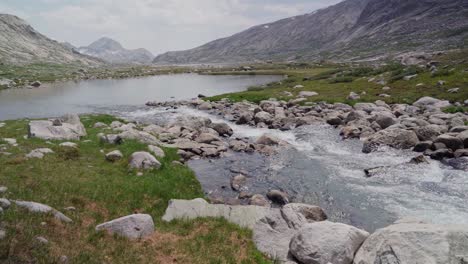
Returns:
(320,168)
(89,96)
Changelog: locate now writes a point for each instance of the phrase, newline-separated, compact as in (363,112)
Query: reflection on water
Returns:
(85,96)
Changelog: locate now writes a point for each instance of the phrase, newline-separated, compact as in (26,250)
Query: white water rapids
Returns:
(322,168)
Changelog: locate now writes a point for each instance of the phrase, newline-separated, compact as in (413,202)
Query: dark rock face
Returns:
(345,28)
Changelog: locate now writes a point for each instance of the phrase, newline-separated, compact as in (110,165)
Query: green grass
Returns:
(335,84)
(102,191)
(456,109)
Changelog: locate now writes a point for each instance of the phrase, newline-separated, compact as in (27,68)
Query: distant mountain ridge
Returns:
(350,29)
(22,44)
(113,52)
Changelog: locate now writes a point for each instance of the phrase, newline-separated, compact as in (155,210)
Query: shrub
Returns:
(455,109)
(343,79)
(440,73)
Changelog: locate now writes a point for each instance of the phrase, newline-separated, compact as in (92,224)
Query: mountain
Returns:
(21,44)
(350,29)
(111,51)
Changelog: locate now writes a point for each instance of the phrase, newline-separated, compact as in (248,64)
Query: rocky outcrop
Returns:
(134,226)
(416,243)
(68,127)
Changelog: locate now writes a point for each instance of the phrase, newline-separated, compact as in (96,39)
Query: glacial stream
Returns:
(320,168)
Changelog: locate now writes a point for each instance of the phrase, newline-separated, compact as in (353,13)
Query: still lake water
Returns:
(87,96)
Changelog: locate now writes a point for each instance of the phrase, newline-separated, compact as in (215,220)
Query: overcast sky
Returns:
(158,25)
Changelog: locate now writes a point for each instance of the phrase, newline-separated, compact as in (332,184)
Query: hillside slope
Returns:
(350,29)
(113,52)
(22,44)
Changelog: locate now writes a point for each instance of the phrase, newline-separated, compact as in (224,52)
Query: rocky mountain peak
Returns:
(112,51)
(106,43)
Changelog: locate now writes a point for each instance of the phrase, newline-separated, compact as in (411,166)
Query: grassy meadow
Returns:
(101,191)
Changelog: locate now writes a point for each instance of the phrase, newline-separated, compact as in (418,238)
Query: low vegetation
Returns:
(101,191)
(334,83)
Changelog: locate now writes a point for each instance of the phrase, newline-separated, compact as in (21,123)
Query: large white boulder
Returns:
(327,242)
(133,226)
(68,127)
(244,216)
(416,243)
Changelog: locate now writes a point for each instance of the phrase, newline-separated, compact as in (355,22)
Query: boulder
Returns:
(385,120)
(244,216)
(205,106)
(157,151)
(132,227)
(111,139)
(238,181)
(100,125)
(429,102)
(353,96)
(334,119)
(223,129)
(393,137)
(206,138)
(296,214)
(143,160)
(327,242)
(39,153)
(428,133)
(463,136)
(4,203)
(141,136)
(263,117)
(422,146)
(307,94)
(114,156)
(278,197)
(68,145)
(272,234)
(153,129)
(451,142)
(259,200)
(34,207)
(269,140)
(36,84)
(415,243)
(71,128)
